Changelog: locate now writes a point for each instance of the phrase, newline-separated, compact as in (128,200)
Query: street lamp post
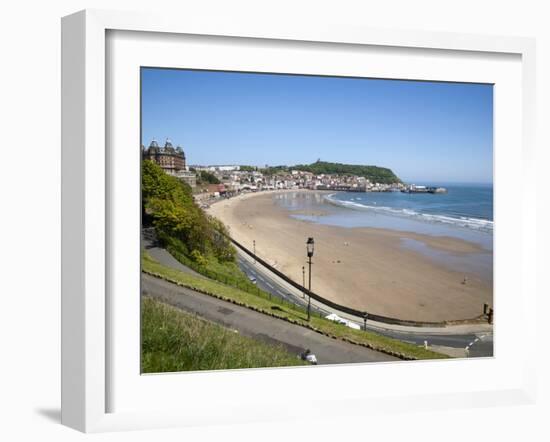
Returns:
(303,281)
(310,248)
(254,245)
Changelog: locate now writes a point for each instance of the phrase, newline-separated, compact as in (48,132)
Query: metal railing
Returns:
(342,308)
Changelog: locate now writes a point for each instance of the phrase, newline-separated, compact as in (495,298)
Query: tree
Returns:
(207,177)
(169,206)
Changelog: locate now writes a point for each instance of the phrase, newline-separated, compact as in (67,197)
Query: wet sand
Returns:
(364,268)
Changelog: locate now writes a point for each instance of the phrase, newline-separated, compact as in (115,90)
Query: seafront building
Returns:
(171,159)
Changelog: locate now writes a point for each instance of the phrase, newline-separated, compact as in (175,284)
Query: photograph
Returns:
(300,220)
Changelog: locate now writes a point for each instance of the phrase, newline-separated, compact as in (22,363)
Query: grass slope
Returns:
(173,340)
(227,272)
(287,312)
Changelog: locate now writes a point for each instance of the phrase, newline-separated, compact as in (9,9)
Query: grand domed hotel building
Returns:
(171,159)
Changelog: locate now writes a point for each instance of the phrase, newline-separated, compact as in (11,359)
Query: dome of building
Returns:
(168,147)
(153,147)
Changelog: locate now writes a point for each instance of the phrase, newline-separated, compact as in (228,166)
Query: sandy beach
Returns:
(364,268)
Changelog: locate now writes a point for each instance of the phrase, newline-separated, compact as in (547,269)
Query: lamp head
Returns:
(310,247)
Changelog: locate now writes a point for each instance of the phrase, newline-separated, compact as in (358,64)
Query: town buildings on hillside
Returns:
(235,179)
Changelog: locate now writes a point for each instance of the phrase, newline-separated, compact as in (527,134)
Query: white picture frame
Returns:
(87,205)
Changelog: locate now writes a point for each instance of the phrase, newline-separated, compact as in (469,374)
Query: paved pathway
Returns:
(259,326)
(163,257)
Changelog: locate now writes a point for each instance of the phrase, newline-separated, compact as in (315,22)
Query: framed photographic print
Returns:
(283,222)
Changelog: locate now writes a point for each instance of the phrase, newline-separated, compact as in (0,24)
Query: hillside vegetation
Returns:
(375,174)
(194,238)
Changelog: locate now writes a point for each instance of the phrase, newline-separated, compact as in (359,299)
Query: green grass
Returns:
(227,272)
(294,314)
(258,301)
(173,340)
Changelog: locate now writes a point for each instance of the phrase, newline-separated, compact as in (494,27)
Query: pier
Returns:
(424,189)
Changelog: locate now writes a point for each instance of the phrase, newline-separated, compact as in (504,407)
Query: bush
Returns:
(198,258)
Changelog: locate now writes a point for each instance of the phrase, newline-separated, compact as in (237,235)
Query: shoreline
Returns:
(362,267)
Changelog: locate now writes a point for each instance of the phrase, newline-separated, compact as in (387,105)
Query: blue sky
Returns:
(423,131)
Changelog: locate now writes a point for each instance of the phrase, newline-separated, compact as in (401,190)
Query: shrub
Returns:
(198,258)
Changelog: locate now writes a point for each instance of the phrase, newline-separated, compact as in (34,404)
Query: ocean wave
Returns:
(461,221)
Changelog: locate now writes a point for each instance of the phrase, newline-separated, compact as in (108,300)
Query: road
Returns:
(259,326)
(479,344)
(271,285)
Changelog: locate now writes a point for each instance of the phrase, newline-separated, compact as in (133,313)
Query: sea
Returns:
(464,212)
